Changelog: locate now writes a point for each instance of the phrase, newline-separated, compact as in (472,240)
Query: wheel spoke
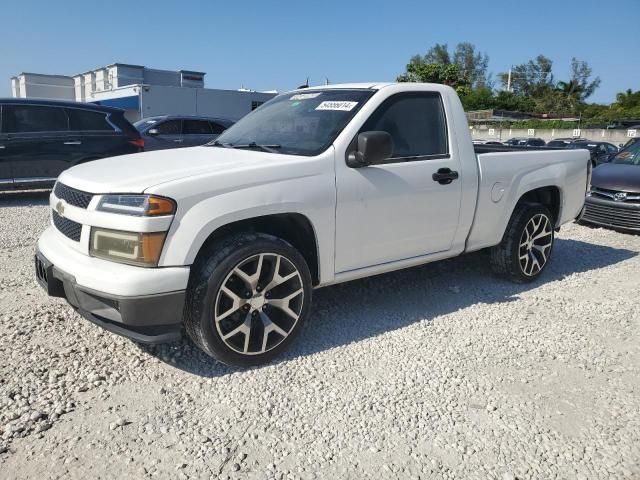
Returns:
(244,327)
(269,326)
(251,280)
(543,251)
(525,257)
(237,304)
(283,303)
(276,278)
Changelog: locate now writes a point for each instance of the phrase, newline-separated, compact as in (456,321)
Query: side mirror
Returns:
(373,148)
(152,131)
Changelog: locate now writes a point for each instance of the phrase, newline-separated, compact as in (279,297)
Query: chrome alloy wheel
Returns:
(259,303)
(535,244)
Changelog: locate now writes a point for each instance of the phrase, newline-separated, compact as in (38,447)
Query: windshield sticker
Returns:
(305,96)
(339,106)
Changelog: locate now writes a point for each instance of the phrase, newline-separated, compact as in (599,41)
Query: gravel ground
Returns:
(441,371)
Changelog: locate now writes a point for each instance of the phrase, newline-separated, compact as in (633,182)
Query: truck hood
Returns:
(621,177)
(138,172)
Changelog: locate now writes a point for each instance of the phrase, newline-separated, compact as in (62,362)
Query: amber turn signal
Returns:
(160,206)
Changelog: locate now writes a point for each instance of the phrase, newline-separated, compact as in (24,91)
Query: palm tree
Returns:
(572,89)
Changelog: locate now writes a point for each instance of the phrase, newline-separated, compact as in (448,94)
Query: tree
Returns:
(472,64)
(439,54)
(435,73)
(478,99)
(532,78)
(628,99)
(580,76)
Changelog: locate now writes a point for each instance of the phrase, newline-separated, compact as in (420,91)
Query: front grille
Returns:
(74,197)
(611,195)
(612,216)
(68,228)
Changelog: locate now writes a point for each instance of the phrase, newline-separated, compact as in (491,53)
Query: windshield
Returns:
(628,156)
(298,123)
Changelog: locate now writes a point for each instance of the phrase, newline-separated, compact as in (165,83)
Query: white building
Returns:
(141,91)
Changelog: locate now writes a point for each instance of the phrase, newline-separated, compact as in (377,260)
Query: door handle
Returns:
(73,142)
(178,141)
(2,147)
(444,176)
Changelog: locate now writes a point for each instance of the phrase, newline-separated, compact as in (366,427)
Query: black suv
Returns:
(41,138)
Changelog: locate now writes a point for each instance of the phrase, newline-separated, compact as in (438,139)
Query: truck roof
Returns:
(339,86)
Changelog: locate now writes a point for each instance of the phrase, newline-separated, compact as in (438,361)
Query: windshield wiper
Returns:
(267,148)
(216,143)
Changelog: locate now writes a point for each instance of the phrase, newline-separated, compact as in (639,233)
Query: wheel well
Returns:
(291,227)
(547,196)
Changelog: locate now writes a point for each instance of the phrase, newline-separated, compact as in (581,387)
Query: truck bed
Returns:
(481,148)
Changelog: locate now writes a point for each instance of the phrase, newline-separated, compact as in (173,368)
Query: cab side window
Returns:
(416,123)
(34,118)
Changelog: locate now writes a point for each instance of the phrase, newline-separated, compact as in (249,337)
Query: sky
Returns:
(277,45)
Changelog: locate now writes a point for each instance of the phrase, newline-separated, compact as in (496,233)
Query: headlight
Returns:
(141,249)
(137,205)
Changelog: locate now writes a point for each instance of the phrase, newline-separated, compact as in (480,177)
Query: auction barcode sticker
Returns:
(340,106)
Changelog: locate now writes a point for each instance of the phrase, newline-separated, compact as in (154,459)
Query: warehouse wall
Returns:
(232,104)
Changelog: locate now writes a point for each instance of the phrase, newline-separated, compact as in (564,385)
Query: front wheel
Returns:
(526,246)
(247,298)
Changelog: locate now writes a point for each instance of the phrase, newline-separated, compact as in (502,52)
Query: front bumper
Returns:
(144,304)
(612,214)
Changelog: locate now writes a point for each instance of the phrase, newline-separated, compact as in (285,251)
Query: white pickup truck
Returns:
(316,187)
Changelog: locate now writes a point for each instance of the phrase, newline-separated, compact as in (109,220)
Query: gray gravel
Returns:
(441,371)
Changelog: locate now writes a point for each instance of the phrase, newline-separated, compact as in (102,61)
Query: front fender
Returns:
(311,196)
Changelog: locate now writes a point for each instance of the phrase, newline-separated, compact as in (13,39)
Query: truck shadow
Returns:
(361,309)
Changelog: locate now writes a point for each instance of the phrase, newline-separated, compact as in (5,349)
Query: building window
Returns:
(255,104)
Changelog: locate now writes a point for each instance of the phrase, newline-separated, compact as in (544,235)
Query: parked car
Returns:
(601,152)
(316,187)
(525,142)
(614,198)
(41,138)
(561,142)
(487,142)
(173,131)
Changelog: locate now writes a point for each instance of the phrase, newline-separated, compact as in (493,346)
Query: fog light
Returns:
(141,249)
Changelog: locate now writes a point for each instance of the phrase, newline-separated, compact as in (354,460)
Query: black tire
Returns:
(214,267)
(505,257)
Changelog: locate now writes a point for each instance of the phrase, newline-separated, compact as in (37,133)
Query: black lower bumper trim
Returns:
(149,334)
(146,318)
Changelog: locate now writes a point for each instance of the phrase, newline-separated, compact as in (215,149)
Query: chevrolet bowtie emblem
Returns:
(60,208)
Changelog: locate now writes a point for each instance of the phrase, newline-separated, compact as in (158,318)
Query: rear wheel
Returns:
(526,246)
(247,298)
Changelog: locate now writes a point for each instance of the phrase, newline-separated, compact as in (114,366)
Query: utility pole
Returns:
(509,81)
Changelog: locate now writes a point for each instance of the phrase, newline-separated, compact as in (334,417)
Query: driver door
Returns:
(396,210)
